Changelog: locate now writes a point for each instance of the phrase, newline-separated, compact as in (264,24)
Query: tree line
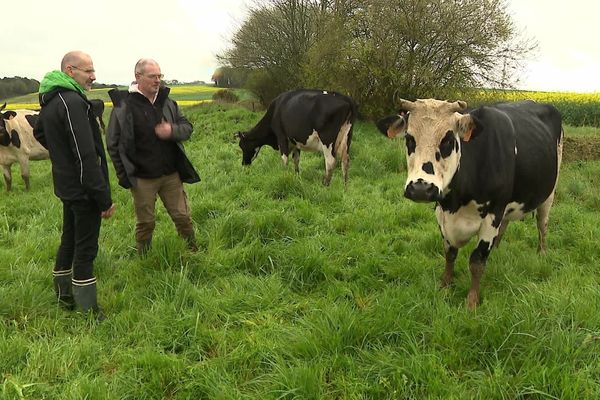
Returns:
(375,50)
(17,86)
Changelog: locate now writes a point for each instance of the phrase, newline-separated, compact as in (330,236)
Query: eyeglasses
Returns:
(87,71)
(154,76)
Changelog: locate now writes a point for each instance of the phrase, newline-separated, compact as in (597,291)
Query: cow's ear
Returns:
(9,115)
(468,127)
(393,125)
(15,140)
(32,119)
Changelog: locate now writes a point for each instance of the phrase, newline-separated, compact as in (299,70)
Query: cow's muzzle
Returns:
(422,192)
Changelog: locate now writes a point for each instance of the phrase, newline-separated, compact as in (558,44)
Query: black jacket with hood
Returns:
(70,132)
(120,140)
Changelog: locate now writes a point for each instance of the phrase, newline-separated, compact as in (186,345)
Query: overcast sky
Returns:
(185,35)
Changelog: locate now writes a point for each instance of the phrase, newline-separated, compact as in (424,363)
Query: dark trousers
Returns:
(79,241)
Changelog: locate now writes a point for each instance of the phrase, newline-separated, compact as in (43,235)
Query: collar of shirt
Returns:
(133,88)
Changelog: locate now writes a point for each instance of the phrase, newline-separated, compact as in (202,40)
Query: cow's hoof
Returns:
(446,281)
(472,300)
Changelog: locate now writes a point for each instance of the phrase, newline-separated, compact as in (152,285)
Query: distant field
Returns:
(581,111)
(185,95)
(578,109)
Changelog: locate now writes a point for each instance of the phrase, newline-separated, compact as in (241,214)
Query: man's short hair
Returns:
(140,66)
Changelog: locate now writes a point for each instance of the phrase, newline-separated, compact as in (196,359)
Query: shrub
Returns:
(225,96)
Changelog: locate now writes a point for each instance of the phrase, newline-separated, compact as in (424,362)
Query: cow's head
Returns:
(433,130)
(4,116)
(250,147)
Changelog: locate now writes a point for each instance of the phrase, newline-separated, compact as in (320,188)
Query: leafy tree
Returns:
(229,77)
(378,50)
(272,44)
(424,48)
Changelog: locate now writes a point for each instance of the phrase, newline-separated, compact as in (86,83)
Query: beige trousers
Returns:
(170,190)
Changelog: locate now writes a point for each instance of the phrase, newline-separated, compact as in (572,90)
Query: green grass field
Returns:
(301,291)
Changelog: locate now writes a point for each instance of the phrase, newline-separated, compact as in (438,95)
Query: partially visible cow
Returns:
(312,120)
(17,144)
(98,111)
(483,169)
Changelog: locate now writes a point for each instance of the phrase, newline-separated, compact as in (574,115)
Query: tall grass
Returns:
(301,291)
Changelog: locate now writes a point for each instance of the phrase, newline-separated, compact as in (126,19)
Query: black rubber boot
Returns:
(86,300)
(62,287)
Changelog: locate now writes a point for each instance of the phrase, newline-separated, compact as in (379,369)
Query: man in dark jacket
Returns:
(68,129)
(144,138)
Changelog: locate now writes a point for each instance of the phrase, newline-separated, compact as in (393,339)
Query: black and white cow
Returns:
(312,120)
(483,169)
(17,144)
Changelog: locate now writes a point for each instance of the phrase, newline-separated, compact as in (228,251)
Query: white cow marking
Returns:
(457,228)
(313,143)
(514,211)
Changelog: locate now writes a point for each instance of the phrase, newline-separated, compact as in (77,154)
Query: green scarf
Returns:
(58,79)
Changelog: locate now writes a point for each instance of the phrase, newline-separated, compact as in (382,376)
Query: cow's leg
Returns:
(343,141)
(501,231)
(450,252)
(476,266)
(329,163)
(543,212)
(7,177)
(345,163)
(24,162)
(477,261)
(296,158)
(283,150)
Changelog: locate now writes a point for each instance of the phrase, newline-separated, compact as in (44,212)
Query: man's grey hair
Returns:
(140,66)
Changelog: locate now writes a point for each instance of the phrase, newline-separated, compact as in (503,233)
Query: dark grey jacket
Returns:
(120,140)
(67,127)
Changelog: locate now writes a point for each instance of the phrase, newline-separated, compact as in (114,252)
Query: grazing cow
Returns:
(17,144)
(312,120)
(98,111)
(483,169)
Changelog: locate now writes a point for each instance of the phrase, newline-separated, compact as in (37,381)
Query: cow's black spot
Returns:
(447,144)
(428,167)
(4,139)
(15,140)
(411,144)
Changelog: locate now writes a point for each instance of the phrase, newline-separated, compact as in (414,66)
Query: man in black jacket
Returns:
(144,138)
(68,128)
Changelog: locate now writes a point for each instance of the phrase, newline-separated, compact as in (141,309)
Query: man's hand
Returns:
(109,213)
(164,130)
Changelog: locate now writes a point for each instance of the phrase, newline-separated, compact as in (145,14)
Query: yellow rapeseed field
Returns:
(577,109)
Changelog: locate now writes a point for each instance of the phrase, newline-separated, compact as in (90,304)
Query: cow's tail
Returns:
(344,139)
(346,128)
